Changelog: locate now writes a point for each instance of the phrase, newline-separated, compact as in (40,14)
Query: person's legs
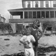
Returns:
(29,52)
(32,53)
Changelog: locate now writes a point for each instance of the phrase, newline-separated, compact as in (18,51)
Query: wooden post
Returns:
(13,25)
(23,14)
(36,54)
(11,17)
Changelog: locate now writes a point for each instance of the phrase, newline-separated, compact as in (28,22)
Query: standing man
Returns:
(27,41)
(37,33)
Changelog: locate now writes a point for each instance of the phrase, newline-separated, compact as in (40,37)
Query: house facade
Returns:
(43,10)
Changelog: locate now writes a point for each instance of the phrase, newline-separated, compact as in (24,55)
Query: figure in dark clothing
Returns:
(37,33)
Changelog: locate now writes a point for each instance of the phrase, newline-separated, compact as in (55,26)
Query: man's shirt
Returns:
(28,40)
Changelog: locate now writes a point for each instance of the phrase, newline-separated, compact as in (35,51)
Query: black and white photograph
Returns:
(27,27)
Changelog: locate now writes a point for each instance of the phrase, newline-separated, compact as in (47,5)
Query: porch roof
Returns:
(21,10)
(30,9)
(38,0)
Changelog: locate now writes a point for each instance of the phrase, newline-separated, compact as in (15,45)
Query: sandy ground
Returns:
(46,41)
(11,45)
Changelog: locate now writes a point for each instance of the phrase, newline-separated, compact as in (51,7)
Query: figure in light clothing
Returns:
(27,41)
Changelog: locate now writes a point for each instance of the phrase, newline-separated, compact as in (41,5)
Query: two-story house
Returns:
(43,10)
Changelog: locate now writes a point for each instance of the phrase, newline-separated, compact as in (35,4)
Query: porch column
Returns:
(11,16)
(0,17)
(13,26)
(23,14)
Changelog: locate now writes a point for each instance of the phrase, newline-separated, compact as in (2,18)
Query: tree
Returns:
(47,24)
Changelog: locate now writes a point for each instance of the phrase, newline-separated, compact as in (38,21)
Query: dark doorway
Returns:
(43,14)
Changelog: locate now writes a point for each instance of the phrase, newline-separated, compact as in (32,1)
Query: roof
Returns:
(38,0)
(30,9)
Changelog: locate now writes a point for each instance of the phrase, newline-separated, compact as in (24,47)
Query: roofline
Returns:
(38,0)
(30,9)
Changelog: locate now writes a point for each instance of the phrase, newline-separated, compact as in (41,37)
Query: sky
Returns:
(5,5)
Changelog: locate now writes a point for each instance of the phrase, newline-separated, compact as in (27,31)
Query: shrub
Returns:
(47,24)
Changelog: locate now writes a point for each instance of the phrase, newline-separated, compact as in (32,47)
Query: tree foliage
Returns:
(46,24)
(4,27)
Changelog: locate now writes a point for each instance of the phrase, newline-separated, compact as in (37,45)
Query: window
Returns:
(34,14)
(30,14)
(28,4)
(55,14)
(23,4)
(43,14)
(26,14)
(38,14)
(47,5)
(41,4)
(54,3)
(51,14)
(36,5)
(47,14)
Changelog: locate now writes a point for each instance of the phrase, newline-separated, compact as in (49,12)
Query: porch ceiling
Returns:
(16,13)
